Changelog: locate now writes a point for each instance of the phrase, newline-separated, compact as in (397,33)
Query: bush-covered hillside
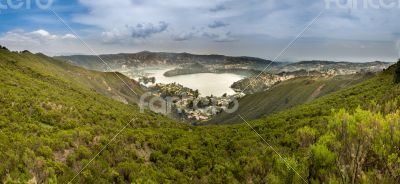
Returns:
(110,84)
(288,94)
(51,127)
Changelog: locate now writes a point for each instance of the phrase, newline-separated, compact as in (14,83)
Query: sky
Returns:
(340,31)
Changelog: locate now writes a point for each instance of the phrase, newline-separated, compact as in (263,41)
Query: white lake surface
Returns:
(207,83)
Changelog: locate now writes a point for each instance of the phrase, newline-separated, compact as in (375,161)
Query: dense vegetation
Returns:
(51,127)
(397,73)
(288,94)
(110,84)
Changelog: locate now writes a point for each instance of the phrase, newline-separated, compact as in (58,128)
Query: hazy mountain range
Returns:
(145,59)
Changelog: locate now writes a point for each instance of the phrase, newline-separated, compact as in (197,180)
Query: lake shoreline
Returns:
(219,85)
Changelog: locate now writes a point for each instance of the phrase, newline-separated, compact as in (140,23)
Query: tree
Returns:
(196,93)
(3,48)
(306,136)
(190,104)
(397,73)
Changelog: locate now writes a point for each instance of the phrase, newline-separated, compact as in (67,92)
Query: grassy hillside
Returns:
(109,84)
(51,128)
(286,95)
(378,90)
(347,146)
(50,125)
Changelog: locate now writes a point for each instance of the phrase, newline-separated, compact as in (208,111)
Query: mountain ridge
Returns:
(147,58)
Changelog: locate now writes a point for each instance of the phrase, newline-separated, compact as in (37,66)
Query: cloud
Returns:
(35,37)
(223,37)
(43,33)
(183,36)
(218,8)
(215,36)
(217,24)
(146,30)
(254,25)
(125,34)
(41,41)
(107,14)
(69,36)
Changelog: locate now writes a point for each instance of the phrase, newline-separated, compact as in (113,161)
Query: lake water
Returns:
(207,83)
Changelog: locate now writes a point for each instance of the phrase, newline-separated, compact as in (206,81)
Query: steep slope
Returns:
(111,84)
(350,145)
(49,124)
(377,90)
(286,95)
(52,129)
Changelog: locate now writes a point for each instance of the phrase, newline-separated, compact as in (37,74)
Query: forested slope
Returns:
(288,94)
(111,84)
(51,128)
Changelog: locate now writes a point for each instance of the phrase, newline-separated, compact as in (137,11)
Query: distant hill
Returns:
(288,94)
(375,66)
(145,58)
